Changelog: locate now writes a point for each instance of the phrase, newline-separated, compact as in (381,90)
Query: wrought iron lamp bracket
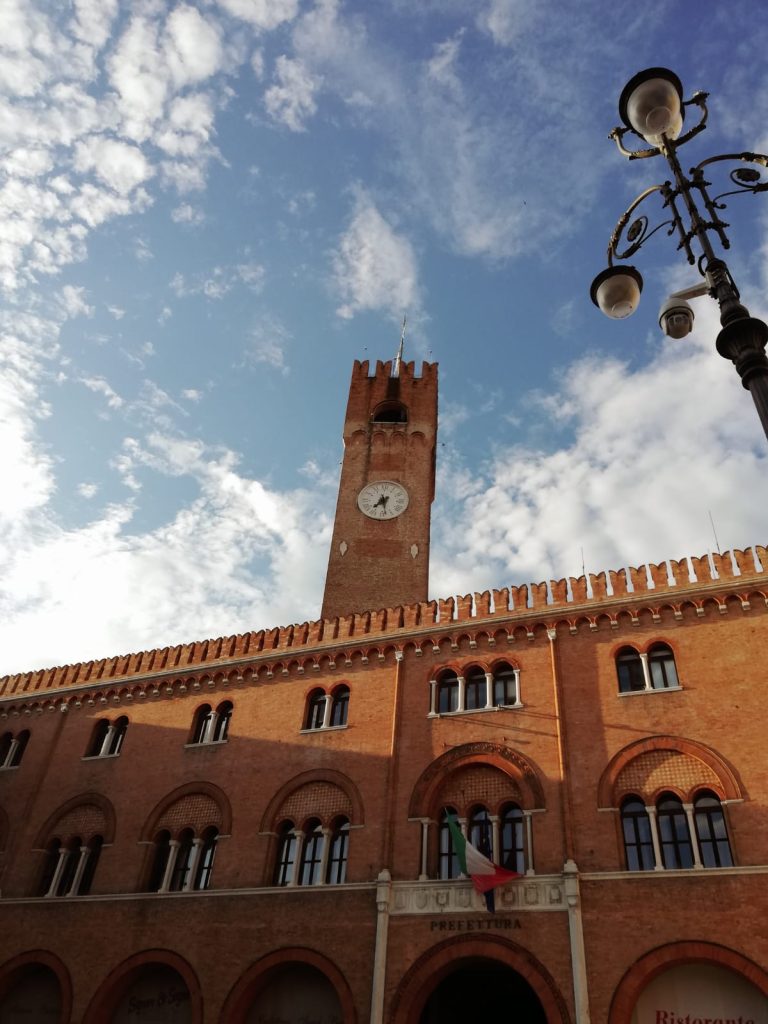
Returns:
(639,233)
(698,99)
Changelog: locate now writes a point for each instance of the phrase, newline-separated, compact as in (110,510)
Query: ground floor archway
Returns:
(154,987)
(474,979)
(482,990)
(692,981)
(35,988)
(33,996)
(291,986)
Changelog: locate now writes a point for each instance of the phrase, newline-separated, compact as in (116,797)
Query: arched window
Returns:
(661,665)
(447,693)
(223,718)
(674,835)
(286,854)
(475,689)
(206,855)
(91,856)
(448,862)
(630,669)
(100,732)
(21,745)
(638,841)
(52,854)
(12,749)
(183,861)
(711,832)
(512,839)
(480,834)
(315,710)
(159,861)
(312,854)
(337,858)
(61,883)
(5,748)
(390,412)
(504,686)
(201,724)
(118,736)
(340,705)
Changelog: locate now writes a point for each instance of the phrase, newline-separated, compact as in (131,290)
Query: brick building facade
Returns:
(251,829)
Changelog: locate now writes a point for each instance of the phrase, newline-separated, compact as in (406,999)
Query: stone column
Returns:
(576,935)
(383,894)
(659,865)
(688,808)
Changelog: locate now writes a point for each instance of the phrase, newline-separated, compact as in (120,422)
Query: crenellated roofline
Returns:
(510,614)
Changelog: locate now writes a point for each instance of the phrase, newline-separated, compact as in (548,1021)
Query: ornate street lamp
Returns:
(653,109)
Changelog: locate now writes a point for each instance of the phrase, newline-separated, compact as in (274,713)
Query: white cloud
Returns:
(87,490)
(267,344)
(72,302)
(150,589)
(505,20)
(653,452)
(93,20)
(117,164)
(101,387)
(219,281)
(187,214)
(257,64)
(374,266)
(116,312)
(192,394)
(194,50)
(292,100)
(262,14)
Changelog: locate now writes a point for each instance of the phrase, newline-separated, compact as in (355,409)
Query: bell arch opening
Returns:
(479,989)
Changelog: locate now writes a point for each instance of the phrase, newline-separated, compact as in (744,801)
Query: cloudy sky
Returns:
(208,210)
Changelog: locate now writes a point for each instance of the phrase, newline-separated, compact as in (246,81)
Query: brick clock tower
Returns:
(380,548)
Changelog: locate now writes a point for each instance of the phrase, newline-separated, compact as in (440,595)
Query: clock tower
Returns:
(380,549)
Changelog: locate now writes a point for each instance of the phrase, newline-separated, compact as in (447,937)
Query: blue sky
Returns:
(208,210)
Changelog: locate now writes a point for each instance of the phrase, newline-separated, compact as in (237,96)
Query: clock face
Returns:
(383,499)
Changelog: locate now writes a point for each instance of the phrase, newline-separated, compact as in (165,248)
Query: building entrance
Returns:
(477,989)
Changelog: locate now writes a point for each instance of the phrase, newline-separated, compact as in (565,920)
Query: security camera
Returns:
(676,318)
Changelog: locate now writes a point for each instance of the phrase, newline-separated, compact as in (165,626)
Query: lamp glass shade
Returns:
(652,104)
(616,291)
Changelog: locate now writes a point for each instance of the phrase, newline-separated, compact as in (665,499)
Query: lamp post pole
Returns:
(652,109)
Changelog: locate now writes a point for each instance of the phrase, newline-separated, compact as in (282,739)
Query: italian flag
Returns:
(485,875)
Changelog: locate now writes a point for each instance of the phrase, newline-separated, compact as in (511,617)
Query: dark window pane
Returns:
(661,662)
(205,859)
(676,847)
(512,839)
(630,670)
(711,832)
(448,862)
(337,861)
(448,693)
(286,857)
(340,706)
(475,689)
(504,686)
(315,710)
(312,856)
(638,844)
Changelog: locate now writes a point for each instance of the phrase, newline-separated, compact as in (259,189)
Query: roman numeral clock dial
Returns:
(384,499)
